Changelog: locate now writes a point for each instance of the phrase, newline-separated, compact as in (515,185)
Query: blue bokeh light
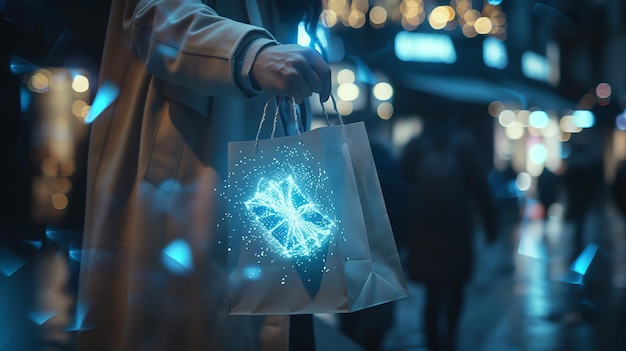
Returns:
(494,53)
(538,119)
(584,118)
(252,273)
(538,154)
(424,47)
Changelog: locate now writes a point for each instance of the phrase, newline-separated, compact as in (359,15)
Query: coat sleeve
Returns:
(186,43)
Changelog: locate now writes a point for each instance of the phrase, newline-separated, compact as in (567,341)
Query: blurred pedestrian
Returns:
(548,184)
(452,186)
(369,327)
(579,184)
(618,188)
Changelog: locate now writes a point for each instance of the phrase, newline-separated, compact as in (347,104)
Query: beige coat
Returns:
(157,162)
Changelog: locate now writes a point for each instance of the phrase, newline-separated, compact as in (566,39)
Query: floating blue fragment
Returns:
(75,254)
(79,318)
(10,262)
(20,65)
(26,98)
(37,244)
(177,256)
(107,93)
(583,261)
(41,317)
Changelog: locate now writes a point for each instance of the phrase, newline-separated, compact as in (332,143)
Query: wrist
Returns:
(250,54)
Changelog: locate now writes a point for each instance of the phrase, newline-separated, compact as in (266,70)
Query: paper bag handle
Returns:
(263,117)
(295,116)
(332,98)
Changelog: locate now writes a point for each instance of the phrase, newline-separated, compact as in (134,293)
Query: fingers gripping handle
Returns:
(296,116)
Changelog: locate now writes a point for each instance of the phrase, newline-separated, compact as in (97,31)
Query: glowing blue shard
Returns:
(36,244)
(79,318)
(10,263)
(41,317)
(75,254)
(290,222)
(177,257)
(20,65)
(571,278)
(25,99)
(583,261)
(63,237)
(107,93)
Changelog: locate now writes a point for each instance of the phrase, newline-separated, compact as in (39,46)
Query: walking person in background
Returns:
(192,76)
(580,182)
(548,190)
(618,188)
(369,327)
(451,184)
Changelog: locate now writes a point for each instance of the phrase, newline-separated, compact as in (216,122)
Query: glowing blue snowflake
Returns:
(291,223)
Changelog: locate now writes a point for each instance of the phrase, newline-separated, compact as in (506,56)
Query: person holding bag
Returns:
(185,78)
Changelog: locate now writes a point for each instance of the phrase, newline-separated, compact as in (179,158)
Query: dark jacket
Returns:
(452,187)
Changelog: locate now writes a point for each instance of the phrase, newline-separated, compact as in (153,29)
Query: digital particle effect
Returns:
(284,202)
(291,222)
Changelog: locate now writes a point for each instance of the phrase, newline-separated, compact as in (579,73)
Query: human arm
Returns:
(186,43)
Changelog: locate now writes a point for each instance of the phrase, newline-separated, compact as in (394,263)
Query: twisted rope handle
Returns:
(332,98)
(263,117)
(296,117)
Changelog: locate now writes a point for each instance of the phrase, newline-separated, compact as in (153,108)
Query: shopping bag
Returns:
(307,225)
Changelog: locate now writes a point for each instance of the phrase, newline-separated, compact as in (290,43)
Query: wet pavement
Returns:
(533,290)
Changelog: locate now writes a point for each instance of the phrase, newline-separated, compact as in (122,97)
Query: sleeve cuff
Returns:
(246,60)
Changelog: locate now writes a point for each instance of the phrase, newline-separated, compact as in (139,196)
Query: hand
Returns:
(292,70)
